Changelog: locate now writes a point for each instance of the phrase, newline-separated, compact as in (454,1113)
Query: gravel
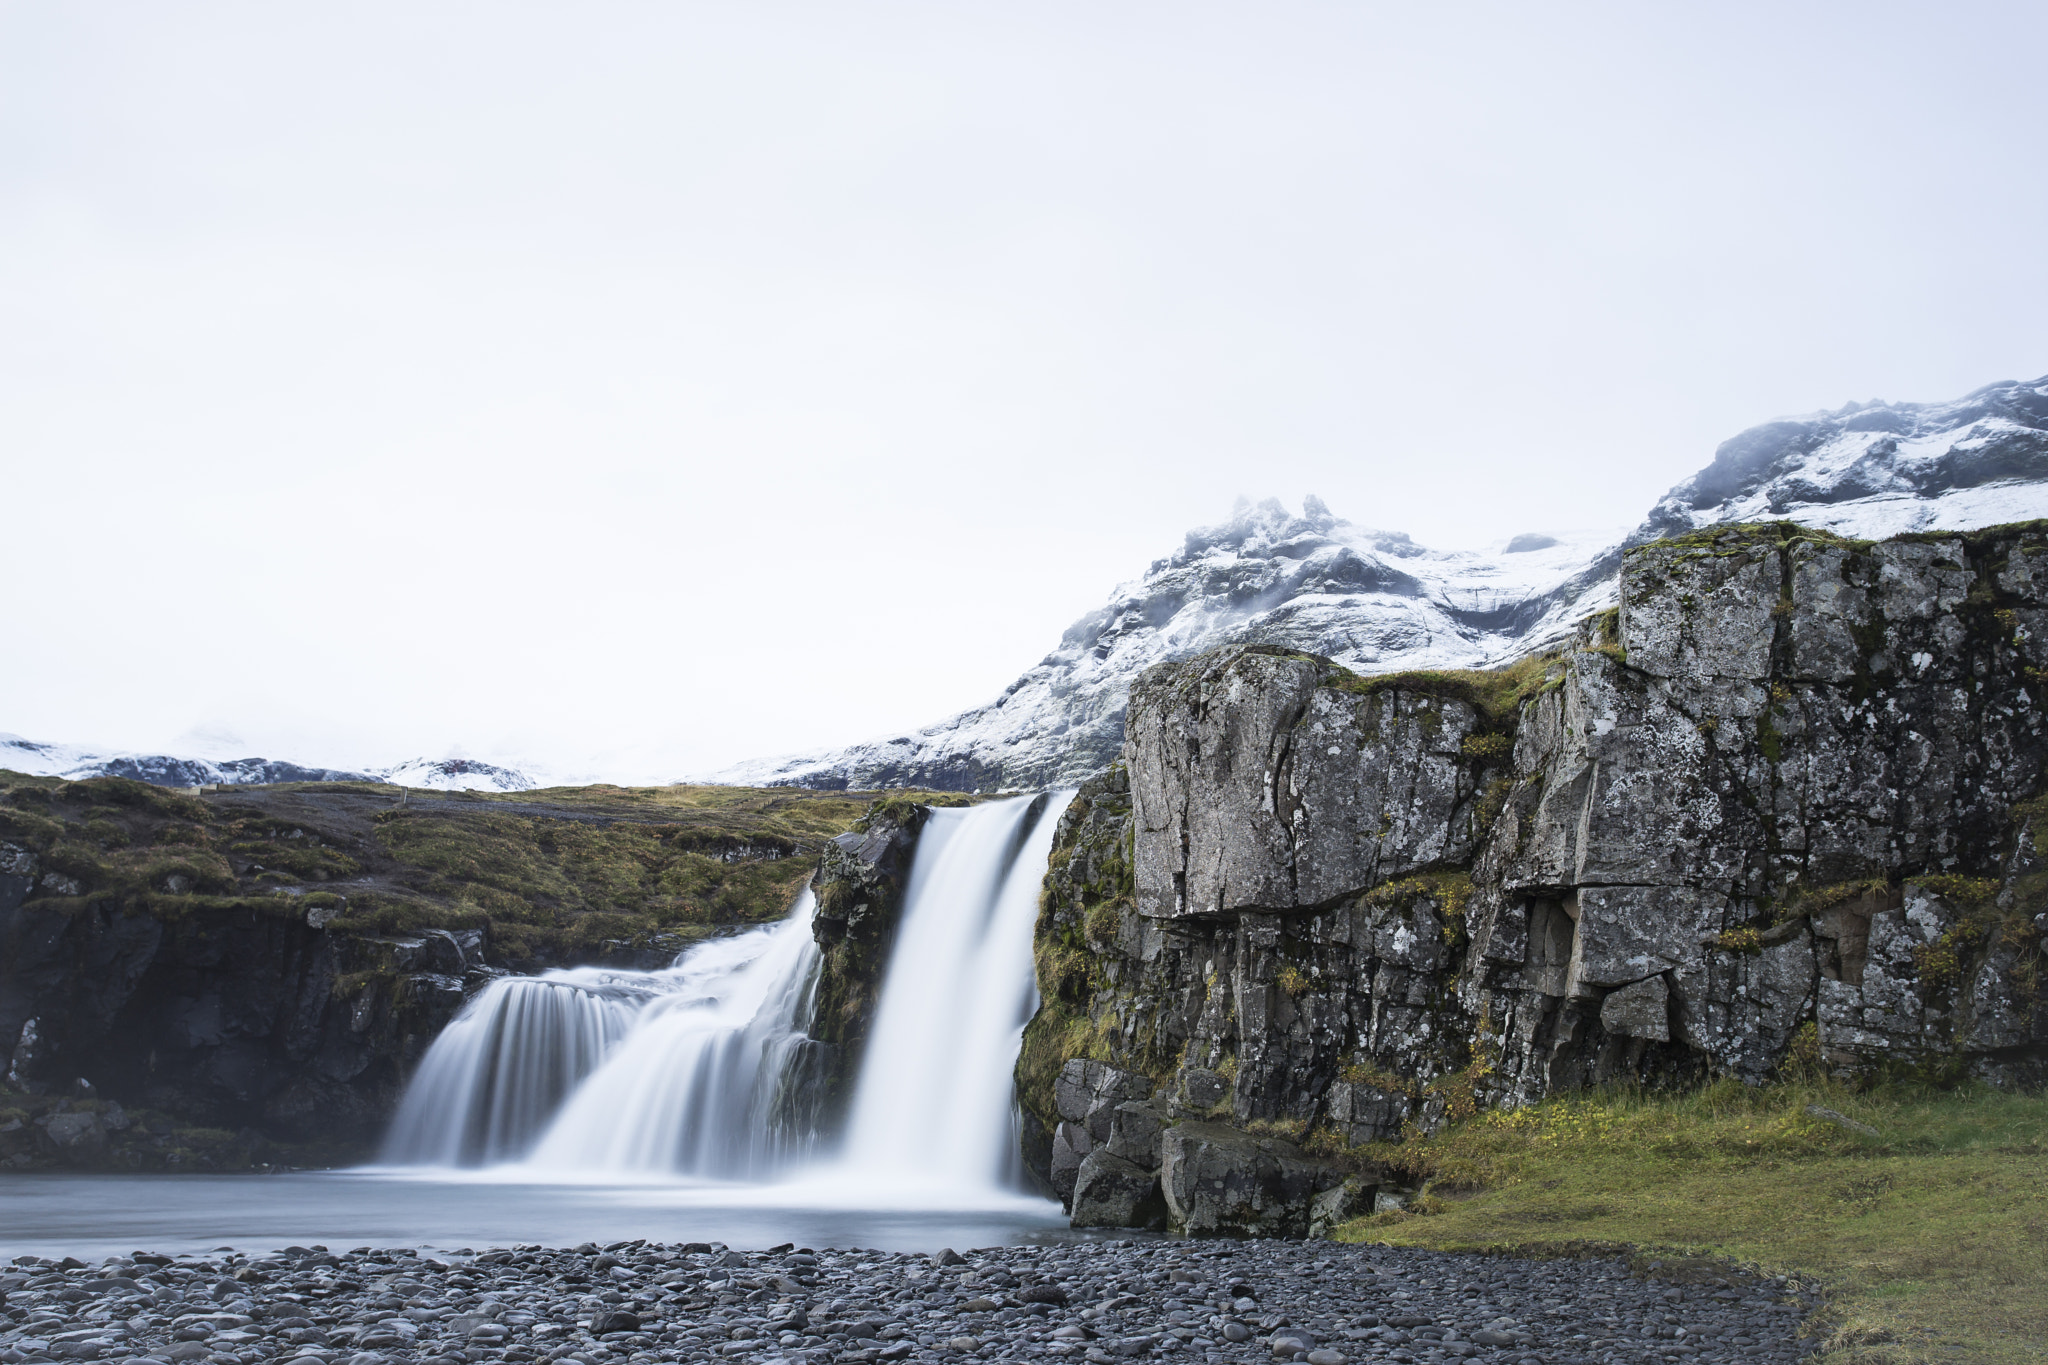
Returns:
(1192,1301)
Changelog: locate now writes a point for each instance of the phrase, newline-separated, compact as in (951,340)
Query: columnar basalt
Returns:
(1780,804)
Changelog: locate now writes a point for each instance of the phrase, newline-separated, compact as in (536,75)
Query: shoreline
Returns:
(627,1303)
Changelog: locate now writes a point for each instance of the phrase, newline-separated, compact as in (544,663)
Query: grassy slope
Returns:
(1932,1238)
(554,873)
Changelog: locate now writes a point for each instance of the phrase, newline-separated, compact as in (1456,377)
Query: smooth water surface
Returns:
(92,1216)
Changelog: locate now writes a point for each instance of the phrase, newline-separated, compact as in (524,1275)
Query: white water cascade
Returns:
(710,1081)
(696,1069)
(934,1105)
(494,1077)
(705,1069)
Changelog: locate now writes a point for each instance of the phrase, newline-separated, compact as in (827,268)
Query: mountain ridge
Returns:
(1372,600)
(75,762)
(1375,601)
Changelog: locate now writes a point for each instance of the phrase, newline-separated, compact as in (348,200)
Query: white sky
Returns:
(634,388)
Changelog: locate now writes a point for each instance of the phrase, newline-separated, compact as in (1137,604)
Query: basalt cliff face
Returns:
(1779,807)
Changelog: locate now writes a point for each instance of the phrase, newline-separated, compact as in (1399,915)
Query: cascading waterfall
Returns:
(705,1069)
(934,1105)
(494,1078)
(711,1081)
(697,1069)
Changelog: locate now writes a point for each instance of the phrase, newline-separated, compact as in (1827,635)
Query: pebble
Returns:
(631,1303)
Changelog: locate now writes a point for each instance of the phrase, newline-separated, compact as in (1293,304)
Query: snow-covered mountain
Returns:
(455,775)
(1377,602)
(1372,600)
(1877,469)
(163,770)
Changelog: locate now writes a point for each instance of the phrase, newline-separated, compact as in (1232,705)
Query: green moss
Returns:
(1365,1071)
(1496,694)
(129,794)
(1824,898)
(1103,920)
(1054,1036)
(522,865)
(1487,748)
(1962,891)
(1450,892)
(1742,538)
(907,809)
(1747,941)
(28,828)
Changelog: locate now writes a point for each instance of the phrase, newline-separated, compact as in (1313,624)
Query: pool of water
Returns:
(101,1215)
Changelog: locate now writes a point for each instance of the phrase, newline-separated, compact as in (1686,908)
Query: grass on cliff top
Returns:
(552,872)
(1496,694)
(1932,1238)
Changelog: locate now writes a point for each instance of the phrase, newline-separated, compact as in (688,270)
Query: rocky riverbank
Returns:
(1221,1301)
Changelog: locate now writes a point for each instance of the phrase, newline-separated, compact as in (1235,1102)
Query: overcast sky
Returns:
(635,388)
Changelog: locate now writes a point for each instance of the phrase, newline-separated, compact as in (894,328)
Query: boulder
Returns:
(1220,1182)
(1070,1146)
(1202,1089)
(1363,1112)
(1641,1009)
(1110,1192)
(1340,1204)
(1135,1128)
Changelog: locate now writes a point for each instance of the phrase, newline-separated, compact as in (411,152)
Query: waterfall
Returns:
(705,1069)
(495,1076)
(697,1069)
(710,1080)
(934,1104)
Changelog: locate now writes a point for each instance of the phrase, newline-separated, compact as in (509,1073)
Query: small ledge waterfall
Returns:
(705,1069)
(694,1070)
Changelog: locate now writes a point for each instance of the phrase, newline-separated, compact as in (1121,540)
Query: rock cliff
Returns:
(1781,804)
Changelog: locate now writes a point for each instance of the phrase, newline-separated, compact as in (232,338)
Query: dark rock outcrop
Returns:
(1105,1148)
(1781,807)
(239,1023)
(859,888)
